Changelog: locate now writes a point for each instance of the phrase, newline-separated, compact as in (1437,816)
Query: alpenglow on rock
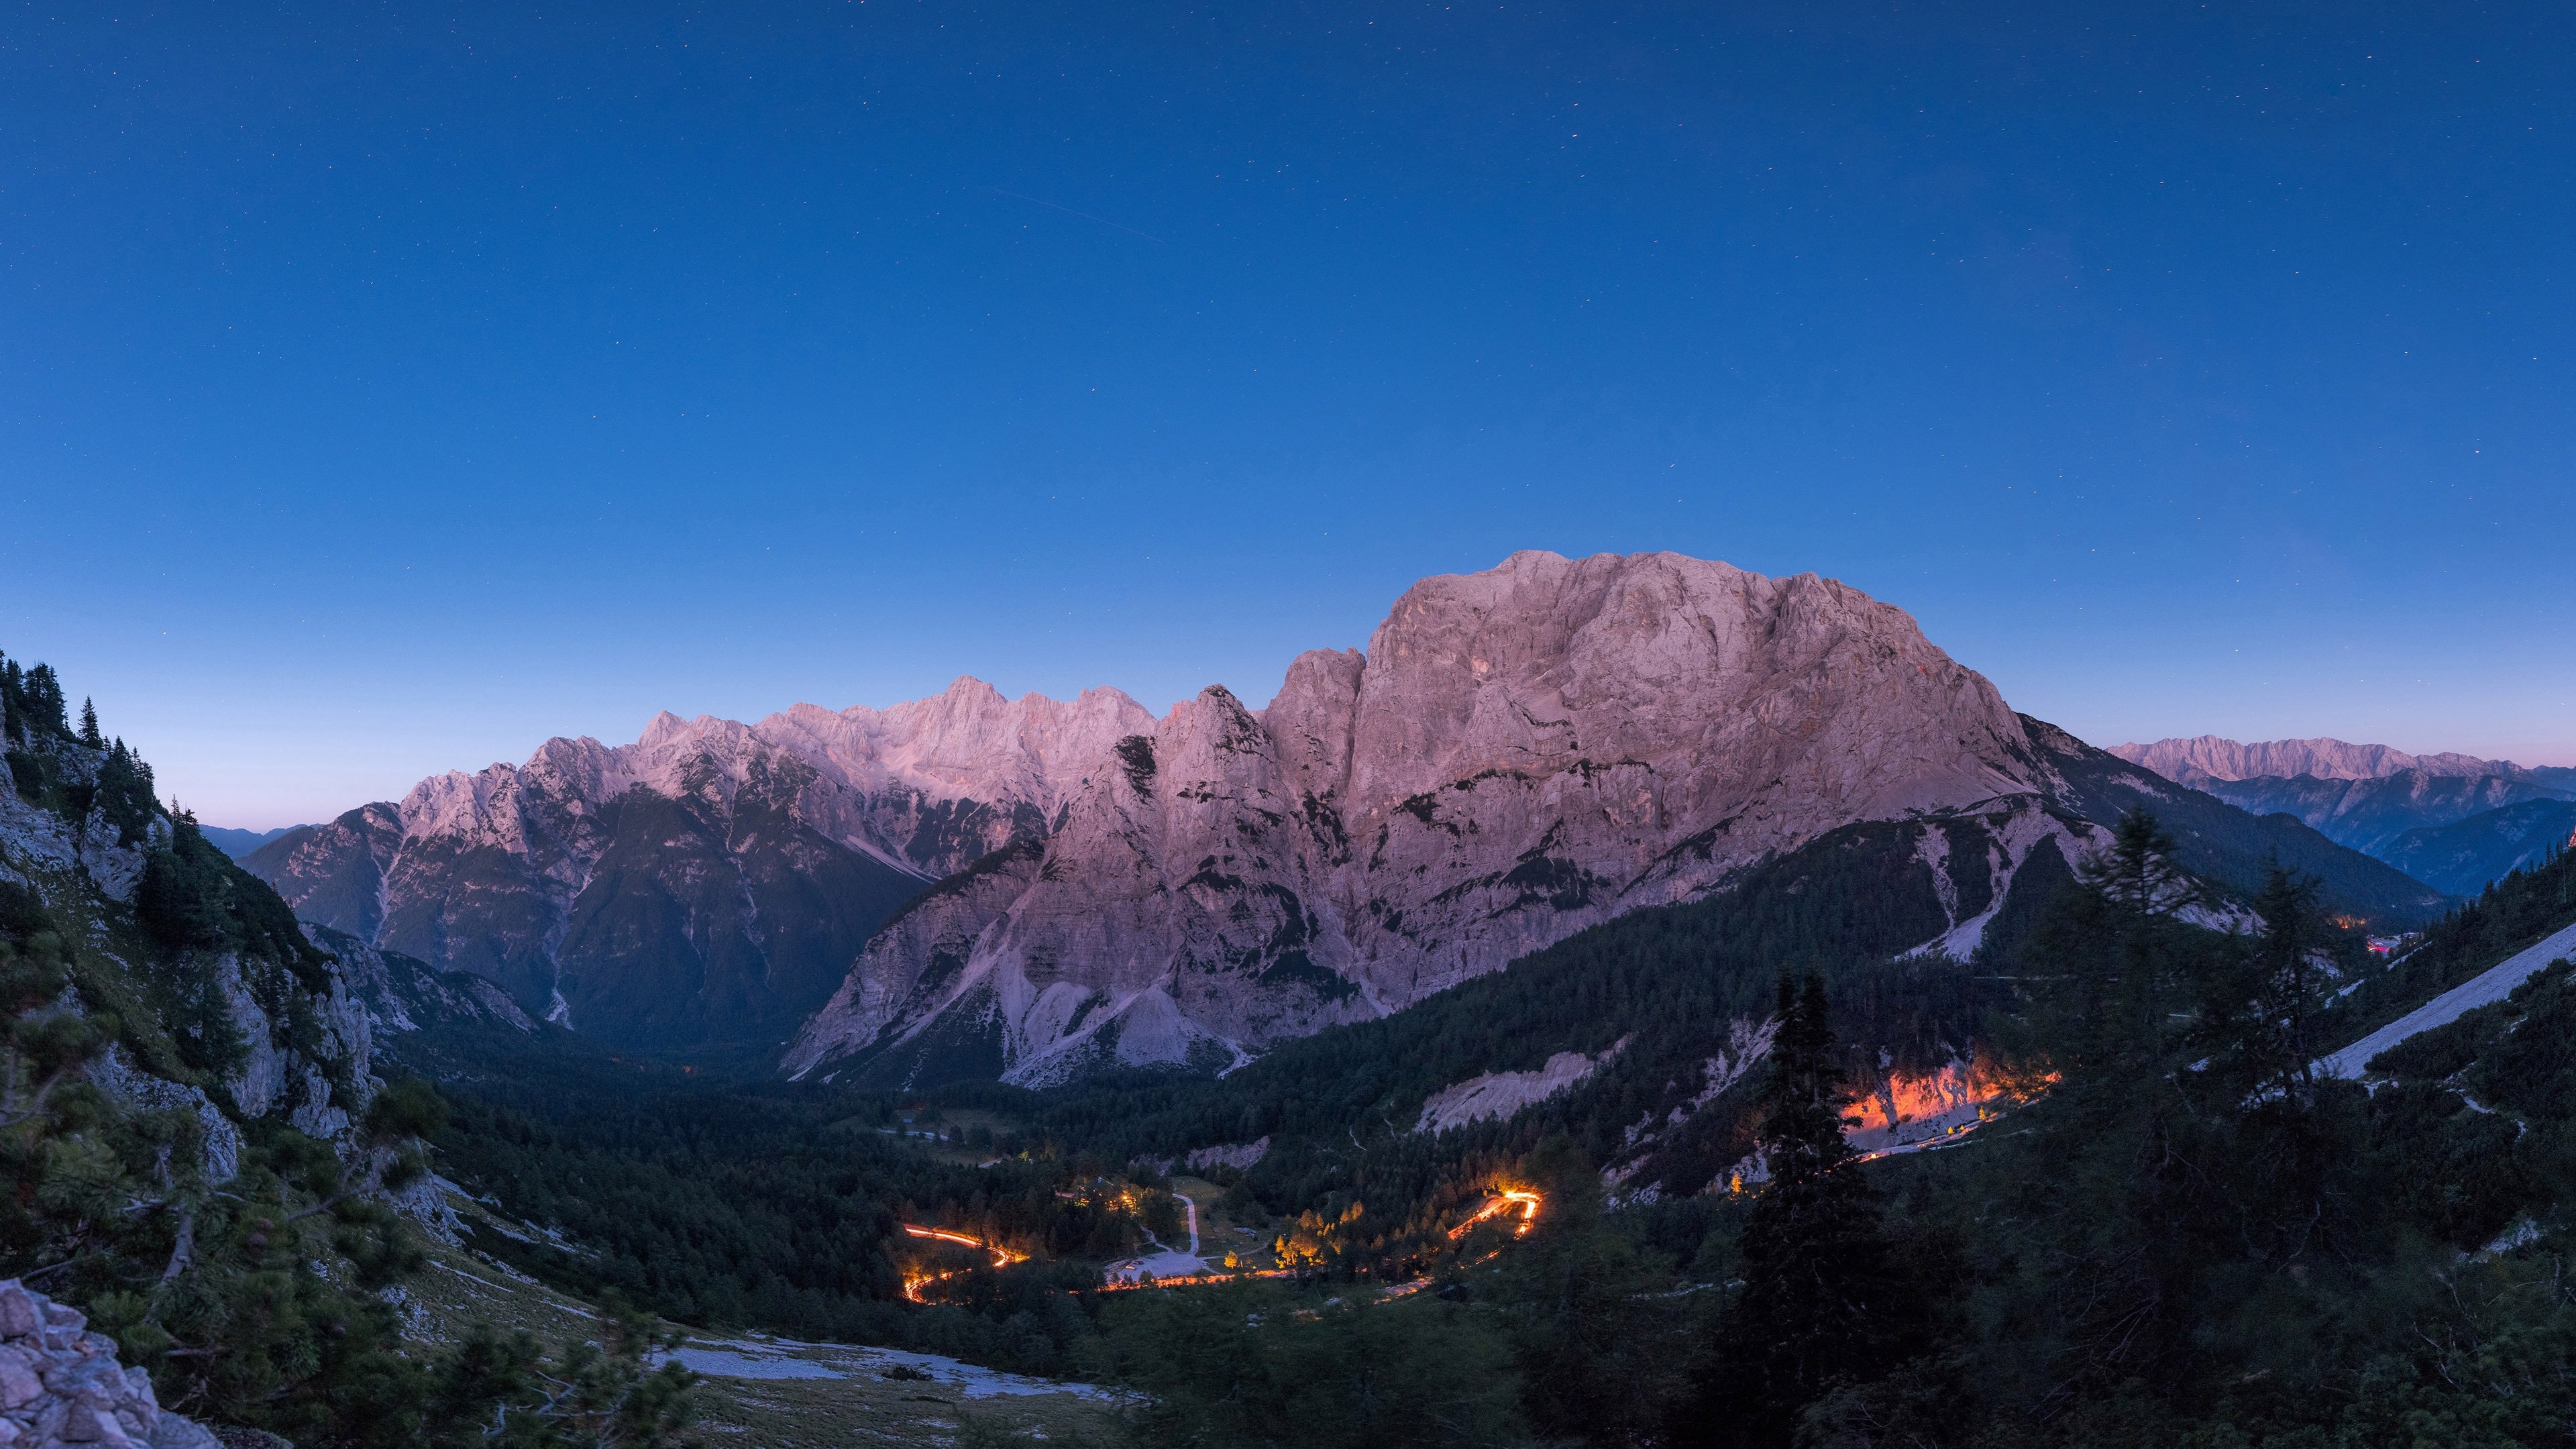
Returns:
(2203,758)
(1519,754)
(969,886)
(713,880)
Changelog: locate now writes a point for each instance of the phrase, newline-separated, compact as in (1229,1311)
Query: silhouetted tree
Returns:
(40,694)
(1823,1303)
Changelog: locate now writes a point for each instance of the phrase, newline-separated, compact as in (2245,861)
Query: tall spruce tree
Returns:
(40,694)
(2138,890)
(89,734)
(1824,1302)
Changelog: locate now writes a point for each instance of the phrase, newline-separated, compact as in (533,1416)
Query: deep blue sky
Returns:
(382,392)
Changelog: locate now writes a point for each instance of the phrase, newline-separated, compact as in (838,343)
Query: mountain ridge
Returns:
(707,836)
(1038,888)
(2219,758)
(1423,812)
(2455,821)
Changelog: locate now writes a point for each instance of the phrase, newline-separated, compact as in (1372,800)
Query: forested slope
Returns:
(202,1157)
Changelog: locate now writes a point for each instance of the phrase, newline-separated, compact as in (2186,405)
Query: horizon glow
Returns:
(383,397)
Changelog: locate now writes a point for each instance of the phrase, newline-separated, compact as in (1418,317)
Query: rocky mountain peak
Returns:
(1546,660)
(1033,886)
(1518,753)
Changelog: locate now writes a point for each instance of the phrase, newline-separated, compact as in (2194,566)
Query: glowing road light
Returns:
(1500,1204)
(1002,1257)
(913,1283)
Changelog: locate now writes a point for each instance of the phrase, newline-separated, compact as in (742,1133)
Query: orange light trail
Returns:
(913,1283)
(1002,1257)
(1502,1203)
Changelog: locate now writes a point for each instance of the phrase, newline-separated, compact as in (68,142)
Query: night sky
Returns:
(382,392)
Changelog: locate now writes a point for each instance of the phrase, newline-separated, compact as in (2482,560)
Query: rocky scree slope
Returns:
(1641,1037)
(1518,755)
(713,880)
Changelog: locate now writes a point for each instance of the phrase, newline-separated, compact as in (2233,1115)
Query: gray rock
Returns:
(61,1384)
(19,1383)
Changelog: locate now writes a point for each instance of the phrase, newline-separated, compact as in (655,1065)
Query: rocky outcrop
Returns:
(173,946)
(1237,1155)
(713,880)
(1518,754)
(401,995)
(60,1384)
(306,1051)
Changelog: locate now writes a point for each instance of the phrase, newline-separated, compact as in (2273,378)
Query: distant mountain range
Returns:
(2210,757)
(2453,821)
(240,843)
(1032,888)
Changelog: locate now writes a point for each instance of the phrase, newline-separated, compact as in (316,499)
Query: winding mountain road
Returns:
(2491,985)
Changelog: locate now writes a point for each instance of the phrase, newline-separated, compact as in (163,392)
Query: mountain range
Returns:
(2455,822)
(240,843)
(973,886)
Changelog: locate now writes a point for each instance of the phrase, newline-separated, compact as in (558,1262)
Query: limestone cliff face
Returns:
(1519,753)
(713,880)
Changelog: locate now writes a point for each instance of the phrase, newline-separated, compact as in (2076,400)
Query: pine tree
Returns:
(89,734)
(2141,890)
(1824,1303)
(40,693)
(2256,1004)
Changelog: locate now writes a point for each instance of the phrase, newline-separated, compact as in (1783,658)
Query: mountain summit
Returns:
(1032,888)
(1520,753)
